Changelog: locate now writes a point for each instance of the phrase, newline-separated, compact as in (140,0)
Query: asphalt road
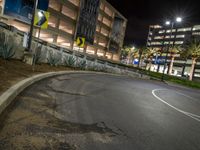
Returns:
(102,112)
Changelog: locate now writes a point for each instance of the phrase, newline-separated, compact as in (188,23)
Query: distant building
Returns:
(160,37)
(96,20)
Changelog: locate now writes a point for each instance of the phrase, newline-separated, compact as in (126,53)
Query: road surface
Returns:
(102,112)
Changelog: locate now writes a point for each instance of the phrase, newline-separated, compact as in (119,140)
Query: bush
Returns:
(81,64)
(6,46)
(53,59)
(69,61)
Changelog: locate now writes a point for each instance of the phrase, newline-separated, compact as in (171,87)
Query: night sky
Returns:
(142,13)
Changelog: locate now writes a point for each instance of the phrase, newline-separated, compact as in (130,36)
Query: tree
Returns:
(193,50)
(149,52)
(173,52)
(141,53)
(130,53)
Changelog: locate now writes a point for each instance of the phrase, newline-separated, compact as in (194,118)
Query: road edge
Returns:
(9,95)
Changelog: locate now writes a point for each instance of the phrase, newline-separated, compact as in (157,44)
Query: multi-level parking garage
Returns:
(63,25)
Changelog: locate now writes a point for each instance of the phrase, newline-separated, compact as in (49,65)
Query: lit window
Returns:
(180,36)
(169,37)
(108,11)
(196,33)
(69,12)
(179,42)
(197,27)
(184,29)
(159,37)
(106,21)
(104,32)
(75,2)
(54,5)
(161,31)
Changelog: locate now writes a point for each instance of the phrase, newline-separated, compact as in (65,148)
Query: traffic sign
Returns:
(41,19)
(80,41)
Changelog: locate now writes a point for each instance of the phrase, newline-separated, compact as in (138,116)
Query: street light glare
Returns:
(178,19)
(40,14)
(167,22)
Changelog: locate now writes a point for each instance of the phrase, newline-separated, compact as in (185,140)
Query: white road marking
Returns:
(193,116)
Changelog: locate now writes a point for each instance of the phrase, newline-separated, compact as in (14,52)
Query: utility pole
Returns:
(32,26)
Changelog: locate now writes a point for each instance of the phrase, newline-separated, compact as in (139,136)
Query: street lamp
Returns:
(168,22)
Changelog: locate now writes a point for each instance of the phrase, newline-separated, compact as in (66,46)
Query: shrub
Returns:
(53,59)
(69,61)
(6,46)
(81,64)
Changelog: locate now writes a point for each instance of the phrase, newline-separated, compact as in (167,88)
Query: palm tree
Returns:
(149,53)
(193,50)
(173,52)
(141,55)
(130,53)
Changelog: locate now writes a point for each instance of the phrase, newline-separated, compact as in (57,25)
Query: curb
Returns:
(8,96)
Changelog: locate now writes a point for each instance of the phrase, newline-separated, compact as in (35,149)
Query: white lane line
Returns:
(193,116)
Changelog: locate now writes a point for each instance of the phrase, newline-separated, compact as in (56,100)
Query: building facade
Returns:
(64,22)
(162,37)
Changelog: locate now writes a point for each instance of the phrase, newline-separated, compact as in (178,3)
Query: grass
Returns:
(173,79)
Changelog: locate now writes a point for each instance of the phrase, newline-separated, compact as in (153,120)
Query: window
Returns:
(100,17)
(161,31)
(67,27)
(180,36)
(106,21)
(98,28)
(197,27)
(102,6)
(104,32)
(156,43)
(69,12)
(63,42)
(196,33)
(108,11)
(102,42)
(54,5)
(169,31)
(159,37)
(75,2)
(90,50)
(179,42)
(169,37)
(184,29)
(52,21)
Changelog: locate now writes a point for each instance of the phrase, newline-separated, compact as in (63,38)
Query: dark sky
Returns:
(142,13)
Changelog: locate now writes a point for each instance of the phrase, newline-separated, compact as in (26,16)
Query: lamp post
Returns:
(178,20)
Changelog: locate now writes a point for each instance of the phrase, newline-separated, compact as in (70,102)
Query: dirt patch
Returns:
(13,71)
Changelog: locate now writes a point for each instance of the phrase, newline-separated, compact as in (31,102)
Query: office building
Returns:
(160,37)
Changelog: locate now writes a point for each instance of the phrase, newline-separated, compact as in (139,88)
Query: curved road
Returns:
(102,112)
